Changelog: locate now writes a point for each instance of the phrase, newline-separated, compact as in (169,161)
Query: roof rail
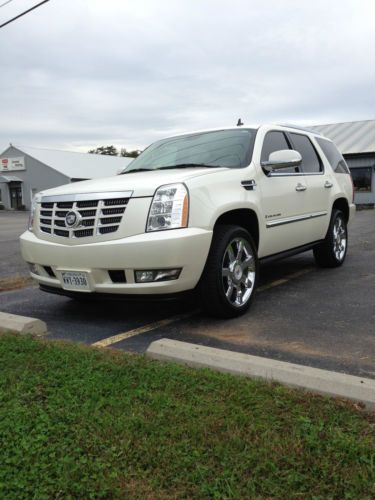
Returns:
(297,127)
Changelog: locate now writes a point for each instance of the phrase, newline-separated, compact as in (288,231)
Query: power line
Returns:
(2,5)
(23,13)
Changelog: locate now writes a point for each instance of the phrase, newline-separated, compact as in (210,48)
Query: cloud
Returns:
(81,74)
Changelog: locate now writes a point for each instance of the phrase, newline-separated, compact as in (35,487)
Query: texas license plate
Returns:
(73,280)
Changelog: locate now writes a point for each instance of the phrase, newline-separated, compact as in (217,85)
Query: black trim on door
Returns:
(290,252)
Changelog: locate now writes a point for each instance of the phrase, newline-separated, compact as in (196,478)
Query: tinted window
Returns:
(310,159)
(223,148)
(275,141)
(334,156)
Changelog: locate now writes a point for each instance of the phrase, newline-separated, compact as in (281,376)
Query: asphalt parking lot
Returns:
(12,224)
(303,314)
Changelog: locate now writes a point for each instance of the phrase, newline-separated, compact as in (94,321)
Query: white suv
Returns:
(195,211)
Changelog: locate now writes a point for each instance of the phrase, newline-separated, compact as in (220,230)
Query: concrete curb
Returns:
(21,324)
(312,379)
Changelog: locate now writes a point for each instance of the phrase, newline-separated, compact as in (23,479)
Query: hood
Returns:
(140,183)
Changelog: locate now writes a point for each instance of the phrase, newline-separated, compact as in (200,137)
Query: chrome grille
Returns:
(94,218)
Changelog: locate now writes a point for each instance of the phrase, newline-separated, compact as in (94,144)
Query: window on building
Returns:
(334,156)
(362,178)
(310,161)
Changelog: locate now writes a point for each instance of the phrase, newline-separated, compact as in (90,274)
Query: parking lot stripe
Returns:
(282,281)
(164,322)
(142,329)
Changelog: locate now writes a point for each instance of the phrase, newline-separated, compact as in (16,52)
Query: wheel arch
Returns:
(343,205)
(244,217)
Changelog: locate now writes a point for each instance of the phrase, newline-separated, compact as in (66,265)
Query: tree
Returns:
(111,150)
(105,150)
(130,154)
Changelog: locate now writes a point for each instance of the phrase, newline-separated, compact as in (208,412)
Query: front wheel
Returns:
(332,251)
(230,276)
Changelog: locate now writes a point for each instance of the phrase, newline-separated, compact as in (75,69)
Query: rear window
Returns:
(334,156)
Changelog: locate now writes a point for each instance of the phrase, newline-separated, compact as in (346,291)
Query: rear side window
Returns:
(275,141)
(334,156)
(311,162)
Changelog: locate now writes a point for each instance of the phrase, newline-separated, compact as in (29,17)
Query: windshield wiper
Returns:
(137,170)
(189,165)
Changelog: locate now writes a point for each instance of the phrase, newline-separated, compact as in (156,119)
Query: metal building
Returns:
(26,170)
(356,141)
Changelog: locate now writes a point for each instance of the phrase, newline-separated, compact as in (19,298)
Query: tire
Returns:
(230,276)
(332,251)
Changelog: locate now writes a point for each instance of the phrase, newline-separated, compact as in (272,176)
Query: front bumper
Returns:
(180,248)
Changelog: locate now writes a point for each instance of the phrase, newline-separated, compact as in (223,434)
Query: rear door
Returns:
(319,182)
(283,200)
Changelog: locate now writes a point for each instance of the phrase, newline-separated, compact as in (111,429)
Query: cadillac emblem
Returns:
(72,219)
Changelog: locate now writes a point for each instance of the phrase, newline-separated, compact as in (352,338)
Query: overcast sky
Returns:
(76,74)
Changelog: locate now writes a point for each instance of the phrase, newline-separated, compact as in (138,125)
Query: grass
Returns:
(78,422)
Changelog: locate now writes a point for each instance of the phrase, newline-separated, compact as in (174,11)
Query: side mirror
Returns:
(284,158)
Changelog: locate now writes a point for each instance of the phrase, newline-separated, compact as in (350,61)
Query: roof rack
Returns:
(297,127)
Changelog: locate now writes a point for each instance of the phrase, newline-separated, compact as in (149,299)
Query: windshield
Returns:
(223,148)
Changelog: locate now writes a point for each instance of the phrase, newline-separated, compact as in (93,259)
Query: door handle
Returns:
(249,185)
(328,184)
(300,187)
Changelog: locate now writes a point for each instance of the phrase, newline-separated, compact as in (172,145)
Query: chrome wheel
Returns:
(238,272)
(339,239)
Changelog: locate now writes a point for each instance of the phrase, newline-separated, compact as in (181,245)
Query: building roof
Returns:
(9,178)
(77,165)
(350,137)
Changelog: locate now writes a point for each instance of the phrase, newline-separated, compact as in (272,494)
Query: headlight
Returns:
(169,208)
(37,198)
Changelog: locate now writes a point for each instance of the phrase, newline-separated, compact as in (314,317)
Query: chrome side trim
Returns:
(293,174)
(86,196)
(296,218)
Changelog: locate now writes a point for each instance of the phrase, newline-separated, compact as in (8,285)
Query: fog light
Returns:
(144,276)
(157,275)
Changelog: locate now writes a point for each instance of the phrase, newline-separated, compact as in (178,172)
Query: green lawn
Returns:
(82,423)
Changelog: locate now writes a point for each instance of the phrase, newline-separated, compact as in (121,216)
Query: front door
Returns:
(15,192)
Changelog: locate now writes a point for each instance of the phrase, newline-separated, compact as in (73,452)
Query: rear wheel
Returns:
(229,279)
(332,251)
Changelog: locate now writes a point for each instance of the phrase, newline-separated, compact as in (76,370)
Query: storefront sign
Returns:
(12,164)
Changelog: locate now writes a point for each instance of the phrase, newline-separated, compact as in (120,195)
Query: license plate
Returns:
(72,280)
